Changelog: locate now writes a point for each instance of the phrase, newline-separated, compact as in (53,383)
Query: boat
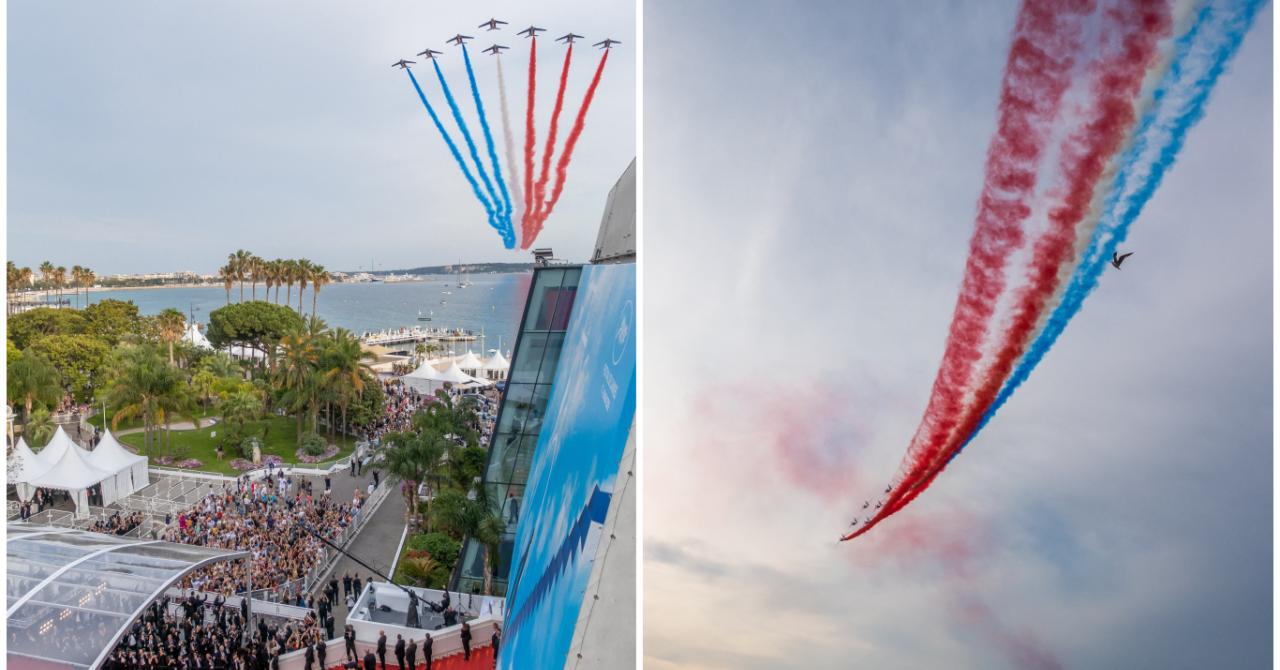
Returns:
(424,318)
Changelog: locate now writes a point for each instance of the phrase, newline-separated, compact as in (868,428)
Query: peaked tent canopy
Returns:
(58,445)
(194,336)
(72,472)
(131,471)
(469,361)
(23,466)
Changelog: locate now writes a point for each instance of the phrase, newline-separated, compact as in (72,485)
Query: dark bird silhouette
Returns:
(1116,260)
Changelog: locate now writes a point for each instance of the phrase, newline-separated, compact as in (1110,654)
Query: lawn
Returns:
(127,424)
(200,444)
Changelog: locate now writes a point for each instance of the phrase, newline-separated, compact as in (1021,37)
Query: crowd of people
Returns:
(275,519)
(196,633)
(402,402)
(118,524)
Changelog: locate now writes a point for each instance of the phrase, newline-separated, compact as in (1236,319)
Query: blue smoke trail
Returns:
(495,220)
(1200,57)
(505,215)
(457,155)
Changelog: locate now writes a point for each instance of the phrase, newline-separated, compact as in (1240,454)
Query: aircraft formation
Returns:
(534,199)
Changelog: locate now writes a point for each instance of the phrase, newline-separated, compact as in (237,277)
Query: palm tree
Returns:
(290,275)
(239,262)
(297,363)
(172,326)
(412,458)
(228,275)
(31,380)
(303,275)
(46,276)
(268,278)
(77,275)
(257,266)
(87,277)
(464,516)
(319,277)
(39,429)
(239,408)
(60,279)
(347,371)
(140,384)
(203,383)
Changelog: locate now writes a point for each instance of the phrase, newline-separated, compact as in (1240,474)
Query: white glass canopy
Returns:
(71,594)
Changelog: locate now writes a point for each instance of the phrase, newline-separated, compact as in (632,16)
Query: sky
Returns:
(153,137)
(809,197)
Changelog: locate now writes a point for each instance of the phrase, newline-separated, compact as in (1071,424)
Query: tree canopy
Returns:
(256,324)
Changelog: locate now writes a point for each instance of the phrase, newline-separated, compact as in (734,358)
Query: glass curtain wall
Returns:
(511,452)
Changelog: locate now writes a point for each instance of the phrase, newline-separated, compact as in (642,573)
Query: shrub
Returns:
(439,546)
(313,445)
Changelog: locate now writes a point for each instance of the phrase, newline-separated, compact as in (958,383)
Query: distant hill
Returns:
(473,268)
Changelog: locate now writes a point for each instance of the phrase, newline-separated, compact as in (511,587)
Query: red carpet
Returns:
(481,659)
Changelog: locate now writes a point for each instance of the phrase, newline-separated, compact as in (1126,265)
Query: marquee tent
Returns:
(427,378)
(72,472)
(131,471)
(469,361)
(59,444)
(25,465)
(194,336)
(496,366)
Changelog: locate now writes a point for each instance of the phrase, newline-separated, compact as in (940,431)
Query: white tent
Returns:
(496,367)
(427,378)
(131,471)
(58,445)
(23,466)
(72,472)
(194,336)
(469,362)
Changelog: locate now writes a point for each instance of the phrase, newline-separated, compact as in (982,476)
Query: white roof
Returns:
(70,472)
(194,336)
(469,361)
(426,371)
(452,374)
(24,464)
(110,455)
(59,444)
(496,362)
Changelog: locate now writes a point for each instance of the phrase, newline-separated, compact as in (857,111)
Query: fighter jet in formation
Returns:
(568,38)
(492,24)
(459,39)
(402,64)
(1117,259)
(496,49)
(606,43)
(531,31)
(429,53)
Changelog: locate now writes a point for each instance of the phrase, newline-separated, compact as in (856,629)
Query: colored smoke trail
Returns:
(494,219)
(504,213)
(1037,74)
(509,144)
(453,148)
(1116,84)
(562,165)
(529,136)
(540,188)
(1202,55)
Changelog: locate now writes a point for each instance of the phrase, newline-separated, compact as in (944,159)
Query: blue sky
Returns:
(809,198)
(161,136)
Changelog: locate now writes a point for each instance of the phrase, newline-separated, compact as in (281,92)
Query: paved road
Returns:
(377,541)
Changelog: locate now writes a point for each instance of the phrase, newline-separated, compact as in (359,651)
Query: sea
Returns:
(491,305)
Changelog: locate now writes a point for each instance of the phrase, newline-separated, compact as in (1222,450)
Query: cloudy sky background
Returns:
(162,136)
(810,183)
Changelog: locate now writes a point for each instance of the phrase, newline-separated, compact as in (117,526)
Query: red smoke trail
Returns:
(1117,83)
(541,187)
(529,136)
(1037,74)
(562,165)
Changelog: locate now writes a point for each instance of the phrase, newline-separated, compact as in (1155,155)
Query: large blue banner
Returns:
(588,420)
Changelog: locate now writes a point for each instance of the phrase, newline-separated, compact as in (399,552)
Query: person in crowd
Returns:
(466,641)
(382,649)
(411,652)
(400,650)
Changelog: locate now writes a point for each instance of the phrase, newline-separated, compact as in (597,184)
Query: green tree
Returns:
(113,320)
(28,326)
(77,358)
(239,408)
(172,324)
(346,372)
(464,516)
(140,383)
(258,325)
(412,458)
(39,429)
(32,379)
(296,375)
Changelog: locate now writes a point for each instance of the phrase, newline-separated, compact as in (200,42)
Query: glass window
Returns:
(537,409)
(514,408)
(547,281)
(551,357)
(528,357)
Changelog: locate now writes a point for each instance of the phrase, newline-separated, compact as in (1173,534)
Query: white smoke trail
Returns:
(508,140)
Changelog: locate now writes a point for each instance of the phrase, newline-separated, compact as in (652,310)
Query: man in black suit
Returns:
(412,653)
(310,656)
(400,651)
(426,650)
(320,652)
(349,637)
(370,663)
(382,649)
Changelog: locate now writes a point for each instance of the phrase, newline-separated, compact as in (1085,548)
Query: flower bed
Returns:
(186,463)
(329,452)
(242,464)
